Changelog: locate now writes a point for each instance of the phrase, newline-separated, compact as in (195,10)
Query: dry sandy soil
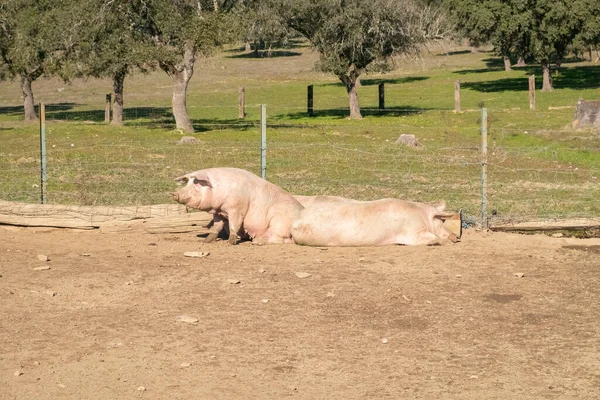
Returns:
(388,322)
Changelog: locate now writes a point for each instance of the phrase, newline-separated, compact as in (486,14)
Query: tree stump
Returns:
(587,114)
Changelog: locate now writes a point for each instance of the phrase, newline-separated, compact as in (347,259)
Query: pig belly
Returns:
(354,230)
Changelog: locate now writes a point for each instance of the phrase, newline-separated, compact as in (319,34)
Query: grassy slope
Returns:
(537,167)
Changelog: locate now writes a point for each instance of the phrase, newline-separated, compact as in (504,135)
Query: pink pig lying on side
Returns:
(371,223)
(310,201)
(250,204)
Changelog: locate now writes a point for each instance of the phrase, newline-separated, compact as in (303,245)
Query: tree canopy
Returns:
(113,38)
(351,35)
(179,31)
(109,48)
(541,29)
(35,39)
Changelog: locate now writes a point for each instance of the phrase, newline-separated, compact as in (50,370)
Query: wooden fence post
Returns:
(242,103)
(532,92)
(310,101)
(107,108)
(381,96)
(457,96)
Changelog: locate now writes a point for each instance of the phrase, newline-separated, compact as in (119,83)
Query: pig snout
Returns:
(175,196)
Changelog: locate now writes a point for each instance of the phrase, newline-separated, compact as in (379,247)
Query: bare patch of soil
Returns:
(378,322)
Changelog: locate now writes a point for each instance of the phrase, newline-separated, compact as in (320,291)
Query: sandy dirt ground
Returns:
(393,322)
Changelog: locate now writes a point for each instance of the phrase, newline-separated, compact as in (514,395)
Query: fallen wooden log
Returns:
(547,225)
(80,217)
(192,222)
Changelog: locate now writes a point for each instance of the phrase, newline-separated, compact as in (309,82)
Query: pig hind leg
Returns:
(270,238)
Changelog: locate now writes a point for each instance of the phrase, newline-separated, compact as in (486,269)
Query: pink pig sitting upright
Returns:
(372,223)
(251,205)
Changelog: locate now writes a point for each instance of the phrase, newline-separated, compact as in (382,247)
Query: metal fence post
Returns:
(263,141)
(381,96)
(43,176)
(484,129)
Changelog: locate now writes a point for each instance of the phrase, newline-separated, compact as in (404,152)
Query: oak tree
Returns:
(351,35)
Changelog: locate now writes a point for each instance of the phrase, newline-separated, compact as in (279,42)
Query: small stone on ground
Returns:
(196,254)
(186,318)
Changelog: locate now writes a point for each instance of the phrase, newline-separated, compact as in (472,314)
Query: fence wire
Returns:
(534,169)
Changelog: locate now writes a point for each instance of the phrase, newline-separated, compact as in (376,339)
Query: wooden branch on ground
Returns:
(548,225)
(192,222)
(160,218)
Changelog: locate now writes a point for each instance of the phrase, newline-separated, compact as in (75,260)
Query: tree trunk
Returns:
(547,79)
(118,80)
(180,83)
(256,46)
(521,62)
(28,104)
(349,81)
(590,53)
(181,73)
(353,103)
(507,64)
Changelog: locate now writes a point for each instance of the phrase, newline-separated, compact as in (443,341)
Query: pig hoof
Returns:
(232,239)
(211,237)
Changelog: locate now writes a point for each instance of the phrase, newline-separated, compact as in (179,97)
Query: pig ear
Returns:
(201,179)
(440,206)
(182,179)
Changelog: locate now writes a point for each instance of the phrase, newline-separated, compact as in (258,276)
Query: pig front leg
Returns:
(235,225)
(216,226)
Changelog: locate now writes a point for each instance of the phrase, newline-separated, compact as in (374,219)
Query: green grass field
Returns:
(538,166)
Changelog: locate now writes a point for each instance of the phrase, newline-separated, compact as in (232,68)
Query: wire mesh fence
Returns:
(534,170)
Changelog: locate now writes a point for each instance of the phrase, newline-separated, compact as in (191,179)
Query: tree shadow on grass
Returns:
(408,79)
(453,53)
(580,77)
(205,125)
(61,112)
(343,113)
(497,64)
(12,110)
(147,117)
(263,54)
(499,85)
(294,43)
(377,81)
